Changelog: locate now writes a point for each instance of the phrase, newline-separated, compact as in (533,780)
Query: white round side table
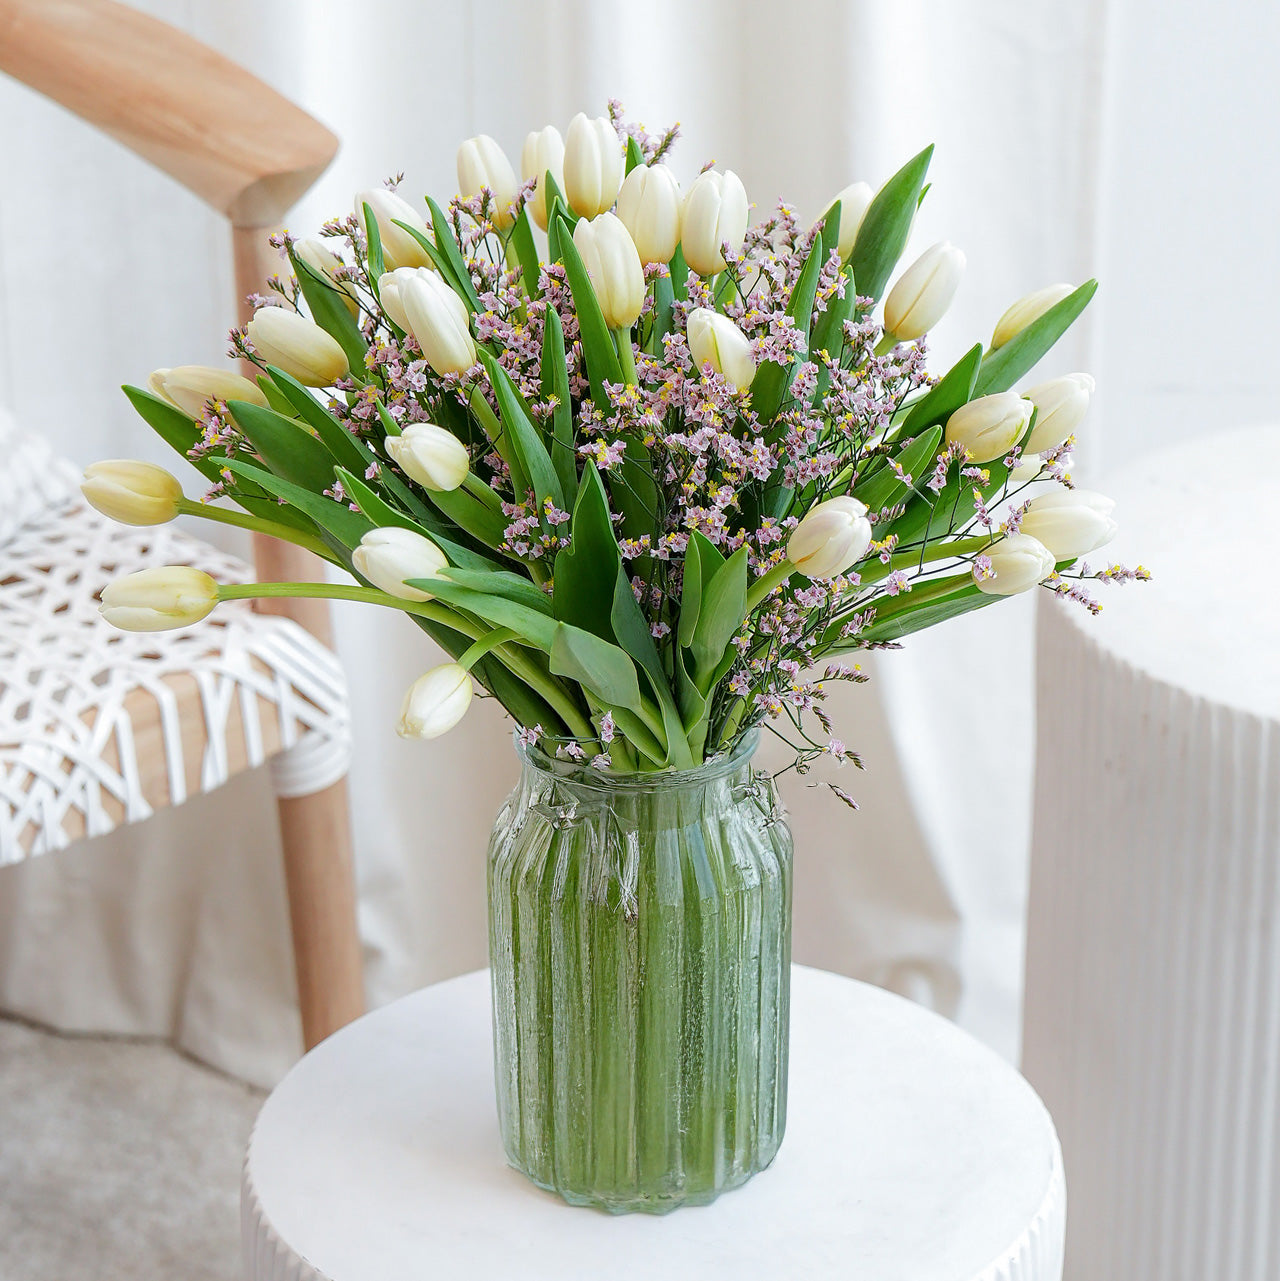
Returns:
(912,1153)
(1152,1024)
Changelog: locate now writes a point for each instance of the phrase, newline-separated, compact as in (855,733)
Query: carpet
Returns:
(119,1161)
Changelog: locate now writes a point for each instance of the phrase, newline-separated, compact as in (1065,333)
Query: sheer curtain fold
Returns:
(177,927)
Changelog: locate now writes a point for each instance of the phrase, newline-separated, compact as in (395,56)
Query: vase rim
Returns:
(607,781)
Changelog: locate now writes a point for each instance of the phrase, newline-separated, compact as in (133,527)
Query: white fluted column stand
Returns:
(913,1153)
(1152,1024)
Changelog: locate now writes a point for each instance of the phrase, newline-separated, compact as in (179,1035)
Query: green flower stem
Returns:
(935,551)
(492,427)
(542,683)
(767,582)
(478,489)
(471,656)
(517,663)
(733,720)
(626,355)
(243,520)
(886,344)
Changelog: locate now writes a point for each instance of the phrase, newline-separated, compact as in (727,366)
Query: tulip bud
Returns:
(389,556)
(610,257)
(322,260)
(1016,563)
(716,341)
(155,600)
(431,455)
(715,213)
(854,200)
(989,426)
(830,538)
(390,287)
(298,346)
(1070,522)
(543,150)
(192,387)
(435,702)
(399,248)
(924,291)
(592,165)
(649,207)
(439,320)
(482,163)
(133,493)
(1060,404)
(1026,310)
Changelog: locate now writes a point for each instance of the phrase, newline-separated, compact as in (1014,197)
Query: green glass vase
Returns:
(640,943)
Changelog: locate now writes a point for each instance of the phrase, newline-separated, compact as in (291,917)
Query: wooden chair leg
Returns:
(316,834)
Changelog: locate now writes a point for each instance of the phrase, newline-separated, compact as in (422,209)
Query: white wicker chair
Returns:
(99,728)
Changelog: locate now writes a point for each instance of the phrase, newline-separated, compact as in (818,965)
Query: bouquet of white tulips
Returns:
(638,465)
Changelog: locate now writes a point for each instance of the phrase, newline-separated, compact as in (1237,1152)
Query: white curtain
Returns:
(1109,137)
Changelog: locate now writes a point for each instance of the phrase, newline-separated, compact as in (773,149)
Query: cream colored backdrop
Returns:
(1071,139)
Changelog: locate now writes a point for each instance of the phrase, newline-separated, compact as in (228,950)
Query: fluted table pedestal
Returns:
(912,1153)
(1152,1024)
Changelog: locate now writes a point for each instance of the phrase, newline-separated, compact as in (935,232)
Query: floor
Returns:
(119,1161)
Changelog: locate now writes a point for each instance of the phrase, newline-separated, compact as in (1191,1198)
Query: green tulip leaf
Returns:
(772,379)
(373,244)
(690,595)
(913,611)
(953,389)
(1003,367)
(634,155)
(598,666)
(597,342)
(555,382)
(724,606)
(587,568)
(522,436)
(526,252)
(284,445)
(448,246)
(537,628)
(883,234)
(329,311)
(341,444)
(337,519)
(501,582)
(915,458)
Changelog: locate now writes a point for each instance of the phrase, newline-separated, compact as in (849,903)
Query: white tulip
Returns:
(715,213)
(989,426)
(716,341)
(322,260)
(298,346)
(593,163)
(435,702)
(649,207)
(192,387)
(389,556)
(399,248)
(390,288)
(1026,310)
(133,493)
(543,150)
(155,600)
(1070,522)
(854,200)
(431,455)
(830,538)
(610,257)
(1015,564)
(439,320)
(1061,404)
(924,291)
(482,163)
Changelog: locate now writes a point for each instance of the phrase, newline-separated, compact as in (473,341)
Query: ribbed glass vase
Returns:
(640,942)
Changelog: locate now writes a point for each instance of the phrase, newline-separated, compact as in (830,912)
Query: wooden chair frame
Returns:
(249,153)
